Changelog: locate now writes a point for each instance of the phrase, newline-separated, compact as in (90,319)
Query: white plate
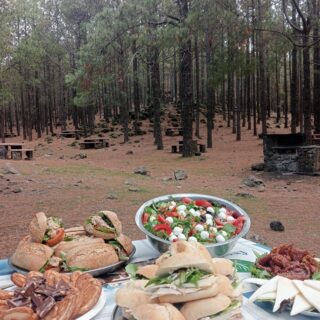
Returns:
(97,308)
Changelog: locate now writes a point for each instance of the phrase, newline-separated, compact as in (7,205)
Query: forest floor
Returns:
(58,184)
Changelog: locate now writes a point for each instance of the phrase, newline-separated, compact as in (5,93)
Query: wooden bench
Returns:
(16,154)
(97,143)
(174,131)
(71,134)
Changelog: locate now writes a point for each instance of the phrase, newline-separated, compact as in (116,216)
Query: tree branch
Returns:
(288,19)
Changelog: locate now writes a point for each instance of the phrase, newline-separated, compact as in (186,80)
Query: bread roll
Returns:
(222,266)
(198,309)
(126,243)
(92,256)
(163,311)
(31,256)
(148,271)
(66,246)
(184,260)
(38,226)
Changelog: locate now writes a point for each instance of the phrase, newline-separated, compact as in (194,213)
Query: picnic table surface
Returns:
(243,253)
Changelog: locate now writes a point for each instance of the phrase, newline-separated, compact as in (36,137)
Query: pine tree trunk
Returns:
(210,89)
(155,89)
(197,67)
(285,89)
(186,85)
(136,96)
(316,70)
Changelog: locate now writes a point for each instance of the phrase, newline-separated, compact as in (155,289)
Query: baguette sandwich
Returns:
(47,230)
(163,311)
(105,225)
(187,276)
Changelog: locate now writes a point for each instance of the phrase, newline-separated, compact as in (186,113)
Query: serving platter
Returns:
(117,314)
(94,272)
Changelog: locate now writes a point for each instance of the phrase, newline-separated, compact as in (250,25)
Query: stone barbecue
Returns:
(289,153)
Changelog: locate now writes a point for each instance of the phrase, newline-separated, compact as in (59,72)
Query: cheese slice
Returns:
(300,304)
(269,286)
(285,290)
(310,294)
(315,284)
(256,281)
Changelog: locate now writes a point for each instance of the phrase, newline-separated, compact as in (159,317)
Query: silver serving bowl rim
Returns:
(227,203)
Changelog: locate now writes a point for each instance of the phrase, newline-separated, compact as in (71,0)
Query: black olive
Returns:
(203,218)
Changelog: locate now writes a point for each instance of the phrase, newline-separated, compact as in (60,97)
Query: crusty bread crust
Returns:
(38,226)
(164,311)
(148,271)
(112,216)
(184,260)
(31,255)
(66,246)
(92,256)
(126,243)
(222,266)
(200,294)
(198,309)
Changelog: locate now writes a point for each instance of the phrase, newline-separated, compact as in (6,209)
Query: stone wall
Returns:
(309,159)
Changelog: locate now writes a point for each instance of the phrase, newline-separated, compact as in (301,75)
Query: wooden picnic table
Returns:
(94,143)
(17,154)
(71,134)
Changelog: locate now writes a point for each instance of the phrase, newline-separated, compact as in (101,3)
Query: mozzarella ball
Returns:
(183,213)
(222,215)
(197,213)
(152,218)
(210,209)
(177,231)
(208,216)
(199,227)
(209,222)
(213,229)
(220,238)
(192,239)
(171,207)
(181,236)
(230,218)
(169,219)
(223,210)
(173,203)
(182,207)
(172,237)
(204,235)
(192,211)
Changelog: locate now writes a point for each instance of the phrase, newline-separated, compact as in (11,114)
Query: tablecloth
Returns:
(243,253)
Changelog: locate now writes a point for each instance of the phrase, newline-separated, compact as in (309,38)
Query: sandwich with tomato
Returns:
(46,230)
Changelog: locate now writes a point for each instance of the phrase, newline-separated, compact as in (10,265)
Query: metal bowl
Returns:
(216,249)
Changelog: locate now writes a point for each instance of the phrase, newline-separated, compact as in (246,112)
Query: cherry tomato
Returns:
(192,232)
(172,214)
(161,219)
(145,218)
(238,223)
(163,227)
(58,237)
(186,200)
(203,203)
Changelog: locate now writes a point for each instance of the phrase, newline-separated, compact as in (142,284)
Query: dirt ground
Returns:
(73,189)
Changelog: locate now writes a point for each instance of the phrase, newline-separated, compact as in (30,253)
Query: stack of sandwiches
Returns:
(97,244)
(185,283)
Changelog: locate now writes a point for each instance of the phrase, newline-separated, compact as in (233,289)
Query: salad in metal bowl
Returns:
(194,220)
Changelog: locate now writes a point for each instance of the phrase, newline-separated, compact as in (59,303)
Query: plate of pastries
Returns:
(52,295)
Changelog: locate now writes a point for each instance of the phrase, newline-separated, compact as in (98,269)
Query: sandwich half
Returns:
(104,224)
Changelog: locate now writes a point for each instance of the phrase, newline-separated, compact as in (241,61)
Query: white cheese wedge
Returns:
(315,284)
(285,290)
(269,286)
(310,294)
(300,304)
